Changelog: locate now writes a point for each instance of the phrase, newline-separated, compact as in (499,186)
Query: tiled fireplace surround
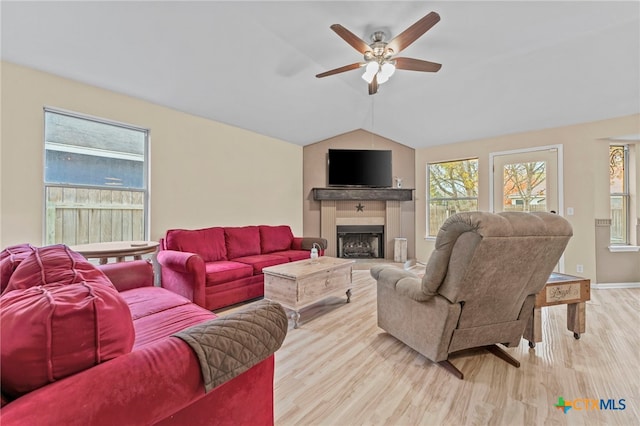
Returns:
(358,211)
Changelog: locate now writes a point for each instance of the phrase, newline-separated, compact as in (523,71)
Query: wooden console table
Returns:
(117,249)
(561,289)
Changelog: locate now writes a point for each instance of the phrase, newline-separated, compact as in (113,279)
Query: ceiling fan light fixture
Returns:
(379,55)
(370,71)
(387,69)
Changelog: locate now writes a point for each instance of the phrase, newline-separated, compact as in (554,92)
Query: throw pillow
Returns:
(207,243)
(242,241)
(54,264)
(52,331)
(275,238)
(10,258)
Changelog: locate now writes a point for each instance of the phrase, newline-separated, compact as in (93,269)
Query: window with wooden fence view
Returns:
(453,188)
(95,180)
(619,184)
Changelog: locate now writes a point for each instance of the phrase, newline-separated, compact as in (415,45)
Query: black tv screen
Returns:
(360,167)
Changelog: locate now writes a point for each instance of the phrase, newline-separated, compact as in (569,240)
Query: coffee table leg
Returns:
(348,295)
(296,318)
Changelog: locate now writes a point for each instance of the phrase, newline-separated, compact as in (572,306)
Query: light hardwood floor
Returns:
(339,368)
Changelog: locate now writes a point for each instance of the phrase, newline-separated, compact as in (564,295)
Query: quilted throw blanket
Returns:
(230,345)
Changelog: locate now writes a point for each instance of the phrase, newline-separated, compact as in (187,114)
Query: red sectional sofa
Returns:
(217,267)
(83,345)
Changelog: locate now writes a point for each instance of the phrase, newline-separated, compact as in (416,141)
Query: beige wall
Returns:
(315,176)
(585,182)
(203,173)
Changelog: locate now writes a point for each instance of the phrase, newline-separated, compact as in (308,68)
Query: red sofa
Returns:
(217,267)
(83,345)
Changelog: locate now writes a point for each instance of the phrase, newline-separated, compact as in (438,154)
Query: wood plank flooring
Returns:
(339,368)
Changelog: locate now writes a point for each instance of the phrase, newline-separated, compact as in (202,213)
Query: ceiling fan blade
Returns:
(355,41)
(416,65)
(373,86)
(341,69)
(411,34)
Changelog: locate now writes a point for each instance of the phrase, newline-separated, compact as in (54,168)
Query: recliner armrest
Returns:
(403,282)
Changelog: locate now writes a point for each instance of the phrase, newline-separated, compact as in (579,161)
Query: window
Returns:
(453,188)
(95,175)
(619,184)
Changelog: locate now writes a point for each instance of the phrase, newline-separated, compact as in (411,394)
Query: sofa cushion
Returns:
(56,264)
(145,301)
(242,241)
(294,255)
(225,271)
(157,313)
(10,258)
(262,261)
(275,238)
(207,243)
(55,330)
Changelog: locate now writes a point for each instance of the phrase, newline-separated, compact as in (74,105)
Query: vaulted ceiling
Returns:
(506,66)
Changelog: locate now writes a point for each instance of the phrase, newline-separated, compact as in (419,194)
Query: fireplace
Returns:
(360,241)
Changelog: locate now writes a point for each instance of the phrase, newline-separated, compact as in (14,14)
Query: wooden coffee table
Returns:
(561,289)
(296,285)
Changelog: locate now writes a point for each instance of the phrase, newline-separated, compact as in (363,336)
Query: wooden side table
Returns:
(561,289)
(117,249)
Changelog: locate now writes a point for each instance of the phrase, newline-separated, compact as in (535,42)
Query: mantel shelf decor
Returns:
(384,194)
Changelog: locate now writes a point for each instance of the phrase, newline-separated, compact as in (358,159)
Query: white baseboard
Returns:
(609,286)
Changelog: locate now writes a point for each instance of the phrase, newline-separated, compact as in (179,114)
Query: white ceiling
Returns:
(507,66)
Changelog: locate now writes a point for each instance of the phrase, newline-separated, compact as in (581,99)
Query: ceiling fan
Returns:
(380,61)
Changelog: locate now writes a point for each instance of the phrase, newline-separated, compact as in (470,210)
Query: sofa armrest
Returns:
(143,387)
(245,338)
(128,275)
(403,282)
(184,274)
(306,243)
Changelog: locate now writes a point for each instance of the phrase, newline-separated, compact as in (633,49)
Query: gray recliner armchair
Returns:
(479,286)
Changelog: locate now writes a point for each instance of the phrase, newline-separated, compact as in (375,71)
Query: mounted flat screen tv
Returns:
(360,167)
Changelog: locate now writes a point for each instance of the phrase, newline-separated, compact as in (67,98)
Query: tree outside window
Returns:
(453,188)
(525,186)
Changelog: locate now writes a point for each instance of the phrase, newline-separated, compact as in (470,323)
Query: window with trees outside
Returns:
(452,188)
(95,178)
(619,200)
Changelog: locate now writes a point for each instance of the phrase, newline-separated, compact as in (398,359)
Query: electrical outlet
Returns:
(579,268)
(569,211)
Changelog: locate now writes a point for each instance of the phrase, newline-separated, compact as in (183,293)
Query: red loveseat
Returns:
(217,267)
(83,345)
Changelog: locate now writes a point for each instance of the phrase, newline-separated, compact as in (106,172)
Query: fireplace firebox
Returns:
(360,241)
